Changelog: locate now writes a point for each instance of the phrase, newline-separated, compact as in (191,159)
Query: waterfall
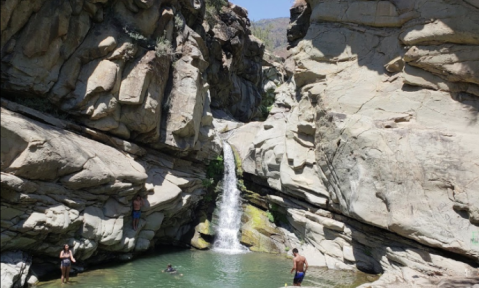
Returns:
(227,231)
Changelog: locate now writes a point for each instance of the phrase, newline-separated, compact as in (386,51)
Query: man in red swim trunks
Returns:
(300,264)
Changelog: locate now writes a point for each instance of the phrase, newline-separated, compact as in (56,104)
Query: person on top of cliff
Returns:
(300,264)
(137,204)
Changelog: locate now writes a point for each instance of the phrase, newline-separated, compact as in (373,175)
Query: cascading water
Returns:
(227,231)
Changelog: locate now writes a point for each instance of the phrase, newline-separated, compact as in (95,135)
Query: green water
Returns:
(207,269)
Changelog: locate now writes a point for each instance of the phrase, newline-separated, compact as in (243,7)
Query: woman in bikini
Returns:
(67,257)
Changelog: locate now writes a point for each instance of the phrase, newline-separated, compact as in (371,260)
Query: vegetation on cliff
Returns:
(273,34)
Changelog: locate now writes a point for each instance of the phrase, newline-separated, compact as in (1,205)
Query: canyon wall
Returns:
(377,125)
(368,159)
(105,100)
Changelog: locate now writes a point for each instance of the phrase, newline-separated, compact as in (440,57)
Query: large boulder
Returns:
(15,268)
(82,196)
(258,233)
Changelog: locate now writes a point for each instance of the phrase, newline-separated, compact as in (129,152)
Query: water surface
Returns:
(207,269)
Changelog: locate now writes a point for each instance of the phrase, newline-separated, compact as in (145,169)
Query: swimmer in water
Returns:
(170,270)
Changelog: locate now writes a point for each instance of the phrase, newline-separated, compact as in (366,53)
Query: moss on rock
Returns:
(257,230)
(203,228)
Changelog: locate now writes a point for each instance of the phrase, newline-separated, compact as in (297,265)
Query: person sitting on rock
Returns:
(137,204)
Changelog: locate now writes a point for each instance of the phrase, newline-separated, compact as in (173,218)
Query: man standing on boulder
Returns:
(137,203)
(300,264)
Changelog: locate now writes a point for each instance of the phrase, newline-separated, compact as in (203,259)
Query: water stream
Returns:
(227,231)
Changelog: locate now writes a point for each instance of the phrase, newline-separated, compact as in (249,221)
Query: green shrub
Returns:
(163,47)
(134,34)
(241,185)
(216,4)
(215,169)
(209,197)
(207,183)
(267,102)
(263,34)
(277,216)
(178,22)
(286,248)
(213,7)
(270,216)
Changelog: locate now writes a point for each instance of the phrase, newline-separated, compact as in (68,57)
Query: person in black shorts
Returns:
(67,258)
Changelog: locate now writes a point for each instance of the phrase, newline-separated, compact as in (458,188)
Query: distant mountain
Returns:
(273,33)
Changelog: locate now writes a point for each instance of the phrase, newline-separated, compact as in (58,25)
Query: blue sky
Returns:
(265,9)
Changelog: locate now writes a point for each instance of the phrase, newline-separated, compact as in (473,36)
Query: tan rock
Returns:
(443,31)
(395,65)
(186,100)
(144,86)
(379,13)
(455,63)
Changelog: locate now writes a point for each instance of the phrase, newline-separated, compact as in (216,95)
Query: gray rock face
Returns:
(376,129)
(299,21)
(110,70)
(15,267)
(61,187)
(235,71)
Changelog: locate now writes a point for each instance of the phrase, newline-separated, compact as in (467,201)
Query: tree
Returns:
(263,34)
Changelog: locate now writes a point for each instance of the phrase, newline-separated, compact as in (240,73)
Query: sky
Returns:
(265,9)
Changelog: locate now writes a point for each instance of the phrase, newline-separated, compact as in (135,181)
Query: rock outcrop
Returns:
(377,123)
(105,100)
(235,71)
(61,187)
(15,267)
(138,71)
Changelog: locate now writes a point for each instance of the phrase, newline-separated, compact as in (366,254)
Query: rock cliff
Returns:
(377,126)
(105,100)
(368,159)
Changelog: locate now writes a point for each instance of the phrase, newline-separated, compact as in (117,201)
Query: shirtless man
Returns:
(137,203)
(300,264)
